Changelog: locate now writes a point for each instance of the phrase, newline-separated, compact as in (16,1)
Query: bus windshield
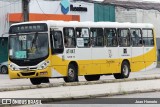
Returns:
(28,46)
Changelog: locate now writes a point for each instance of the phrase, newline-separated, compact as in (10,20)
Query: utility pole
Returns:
(25,10)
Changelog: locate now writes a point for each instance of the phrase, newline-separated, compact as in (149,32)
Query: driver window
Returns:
(57,40)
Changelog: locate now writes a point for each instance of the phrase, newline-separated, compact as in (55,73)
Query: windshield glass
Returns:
(28,46)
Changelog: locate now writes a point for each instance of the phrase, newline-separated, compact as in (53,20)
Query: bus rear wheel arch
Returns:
(72,73)
(125,70)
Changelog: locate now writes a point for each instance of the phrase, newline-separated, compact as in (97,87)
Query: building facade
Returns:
(67,10)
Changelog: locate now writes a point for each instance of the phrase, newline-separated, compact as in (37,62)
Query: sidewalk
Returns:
(5,82)
(86,91)
(144,82)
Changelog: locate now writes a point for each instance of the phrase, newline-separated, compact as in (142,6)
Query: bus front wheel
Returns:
(125,71)
(72,75)
(92,77)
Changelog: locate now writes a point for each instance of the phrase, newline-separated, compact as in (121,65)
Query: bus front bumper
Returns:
(30,74)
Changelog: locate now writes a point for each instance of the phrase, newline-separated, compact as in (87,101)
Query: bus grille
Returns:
(28,73)
(33,68)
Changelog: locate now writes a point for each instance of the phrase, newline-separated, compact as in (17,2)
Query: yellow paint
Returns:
(88,67)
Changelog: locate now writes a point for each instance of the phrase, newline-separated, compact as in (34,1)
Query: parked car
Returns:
(4,67)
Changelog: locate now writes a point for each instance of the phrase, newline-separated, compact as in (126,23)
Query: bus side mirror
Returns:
(51,36)
(2,40)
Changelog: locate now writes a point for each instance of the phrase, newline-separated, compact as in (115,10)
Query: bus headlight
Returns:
(43,65)
(13,66)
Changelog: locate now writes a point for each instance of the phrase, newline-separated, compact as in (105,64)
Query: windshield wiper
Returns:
(34,40)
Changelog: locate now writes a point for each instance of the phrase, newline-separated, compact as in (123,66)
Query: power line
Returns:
(41,9)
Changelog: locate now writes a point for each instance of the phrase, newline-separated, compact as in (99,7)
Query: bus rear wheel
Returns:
(125,71)
(72,75)
(36,81)
(92,77)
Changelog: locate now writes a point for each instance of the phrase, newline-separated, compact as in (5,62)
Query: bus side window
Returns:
(57,42)
(69,37)
(97,37)
(110,37)
(136,37)
(124,37)
(148,37)
(83,39)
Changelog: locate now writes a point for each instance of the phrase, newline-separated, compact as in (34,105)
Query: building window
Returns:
(82,37)
(57,40)
(97,38)
(148,37)
(69,37)
(110,37)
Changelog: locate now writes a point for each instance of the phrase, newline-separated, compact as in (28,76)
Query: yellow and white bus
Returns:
(43,49)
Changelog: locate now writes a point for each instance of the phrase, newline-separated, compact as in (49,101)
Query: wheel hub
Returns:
(71,73)
(125,70)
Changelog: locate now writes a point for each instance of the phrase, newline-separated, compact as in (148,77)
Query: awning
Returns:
(18,17)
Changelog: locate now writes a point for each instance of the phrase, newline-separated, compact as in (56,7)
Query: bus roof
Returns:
(89,24)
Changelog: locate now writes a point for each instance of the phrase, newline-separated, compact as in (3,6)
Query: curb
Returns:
(77,83)
(48,100)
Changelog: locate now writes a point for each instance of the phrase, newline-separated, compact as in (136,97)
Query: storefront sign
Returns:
(65,6)
(72,8)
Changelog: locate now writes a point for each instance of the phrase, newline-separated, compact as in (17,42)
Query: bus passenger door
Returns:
(58,67)
(124,45)
(111,50)
(137,63)
(150,56)
(99,63)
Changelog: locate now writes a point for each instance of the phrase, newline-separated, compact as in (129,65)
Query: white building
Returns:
(7,7)
(67,10)
(137,12)
(139,16)
(11,11)
(54,7)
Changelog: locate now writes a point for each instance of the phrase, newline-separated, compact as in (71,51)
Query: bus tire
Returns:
(45,80)
(4,69)
(125,71)
(92,77)
(36,81)
(72,74)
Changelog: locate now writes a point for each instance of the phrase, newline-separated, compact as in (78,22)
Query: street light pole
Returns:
(25,10)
